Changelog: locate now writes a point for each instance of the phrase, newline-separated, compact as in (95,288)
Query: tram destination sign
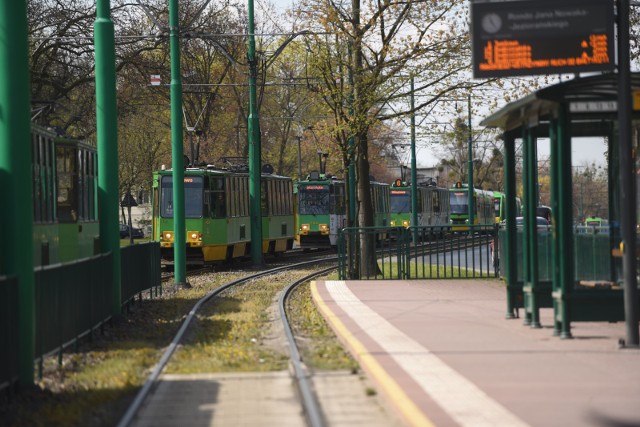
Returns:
(516,38)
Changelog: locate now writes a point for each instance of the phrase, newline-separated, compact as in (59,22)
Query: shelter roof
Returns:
(545,102)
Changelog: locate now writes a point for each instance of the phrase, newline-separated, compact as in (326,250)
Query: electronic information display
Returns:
(512,38)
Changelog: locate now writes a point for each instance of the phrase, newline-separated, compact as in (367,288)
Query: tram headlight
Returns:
(167,236)
(194,238)
(393,223)
(406,223)
(304,229)
(324,229)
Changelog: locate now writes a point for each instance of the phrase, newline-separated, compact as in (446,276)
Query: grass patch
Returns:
(228,334)
(319,345)
(426,271)
(94,386)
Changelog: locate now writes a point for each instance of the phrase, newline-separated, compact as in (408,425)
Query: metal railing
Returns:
(140,271)
(8,331)
(593,260)
(71,300)
(436,252)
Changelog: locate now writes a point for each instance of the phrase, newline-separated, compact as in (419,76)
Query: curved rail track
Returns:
(309,402)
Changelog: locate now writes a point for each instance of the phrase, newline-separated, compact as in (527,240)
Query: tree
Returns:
(366,60)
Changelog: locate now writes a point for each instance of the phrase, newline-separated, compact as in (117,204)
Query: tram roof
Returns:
(545,102)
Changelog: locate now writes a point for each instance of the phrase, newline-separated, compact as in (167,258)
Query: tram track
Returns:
(309,403)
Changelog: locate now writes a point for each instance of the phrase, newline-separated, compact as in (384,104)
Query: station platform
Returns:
(442,353)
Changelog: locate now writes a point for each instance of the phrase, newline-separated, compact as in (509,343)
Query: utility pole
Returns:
(414,173)
(253,132)
(107,134)
(470,167)
(177,152)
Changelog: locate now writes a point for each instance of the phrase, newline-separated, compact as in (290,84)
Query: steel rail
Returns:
(309,401)
(168,353)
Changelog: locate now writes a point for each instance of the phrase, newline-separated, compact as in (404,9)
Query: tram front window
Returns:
(458,201)
(313,200)
(193,197)
(400,202)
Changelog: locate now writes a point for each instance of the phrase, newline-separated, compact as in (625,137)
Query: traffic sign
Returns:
(155,80)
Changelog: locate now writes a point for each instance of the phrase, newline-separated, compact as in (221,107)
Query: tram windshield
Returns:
(313,200)
(193,192)
(400,201)
(458,201)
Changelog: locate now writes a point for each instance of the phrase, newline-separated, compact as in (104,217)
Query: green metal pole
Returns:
(555,212)
(107,134)
(470,167)
(526,230)
(532,241)
(15,175)
(414,174)
(627,180)
(509,254)
(351,151)
(254,147)
(177,150)
(564,229)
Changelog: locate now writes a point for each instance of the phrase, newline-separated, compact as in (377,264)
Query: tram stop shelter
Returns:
(578,274)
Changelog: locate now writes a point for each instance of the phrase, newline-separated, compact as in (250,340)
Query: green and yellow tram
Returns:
(321,205)
(432,205)
(217,219)
(65,213)
(483,207)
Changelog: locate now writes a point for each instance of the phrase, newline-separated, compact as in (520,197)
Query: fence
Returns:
(435,252)
(8,331)
(140,265)
(592,256)
(72,300)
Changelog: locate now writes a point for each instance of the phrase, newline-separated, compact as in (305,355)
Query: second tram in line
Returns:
(432,205)
(321,206)
(483,207)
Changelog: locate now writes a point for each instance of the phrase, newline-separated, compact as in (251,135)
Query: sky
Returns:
(584,151)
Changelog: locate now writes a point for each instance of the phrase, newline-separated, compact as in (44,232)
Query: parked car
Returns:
(136,233)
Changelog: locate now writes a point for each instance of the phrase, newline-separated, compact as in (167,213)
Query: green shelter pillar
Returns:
(509,252)
(564,228)
(107,135)
(555,213)
(16,251)
(532,310)
(177,150)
